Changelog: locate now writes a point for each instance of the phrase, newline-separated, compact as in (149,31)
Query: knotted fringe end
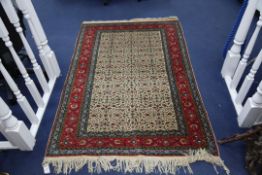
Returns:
(171,18)
(135,164)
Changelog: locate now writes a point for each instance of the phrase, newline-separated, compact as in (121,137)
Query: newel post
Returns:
(14,130)
(252,109)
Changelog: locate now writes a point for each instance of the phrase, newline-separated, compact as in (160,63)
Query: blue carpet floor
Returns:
(206,24)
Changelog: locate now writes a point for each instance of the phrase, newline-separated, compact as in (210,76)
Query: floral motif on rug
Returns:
(130,102)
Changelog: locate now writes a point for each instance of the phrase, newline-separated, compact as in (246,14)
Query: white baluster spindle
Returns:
(42,55)
(47,54)
(14,130)
(252,109)
(13,17)
(233,55)
(28,81)
(22,101)
(249,79)
(243,63)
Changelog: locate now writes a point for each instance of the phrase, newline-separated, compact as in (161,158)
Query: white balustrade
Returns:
(28,81)
(22,101)
(15,131)
(250,111)
(243,63)
(233,55)
(14,19)
(249,79)
(47,55)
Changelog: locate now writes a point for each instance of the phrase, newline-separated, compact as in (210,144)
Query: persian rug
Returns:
(130,102)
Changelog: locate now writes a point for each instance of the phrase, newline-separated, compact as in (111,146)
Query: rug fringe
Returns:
(137,164)
(171,18)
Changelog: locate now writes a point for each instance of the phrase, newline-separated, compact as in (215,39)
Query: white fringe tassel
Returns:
(171,18)
(136,164)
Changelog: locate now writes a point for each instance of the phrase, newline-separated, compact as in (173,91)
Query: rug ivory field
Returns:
(130,102)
